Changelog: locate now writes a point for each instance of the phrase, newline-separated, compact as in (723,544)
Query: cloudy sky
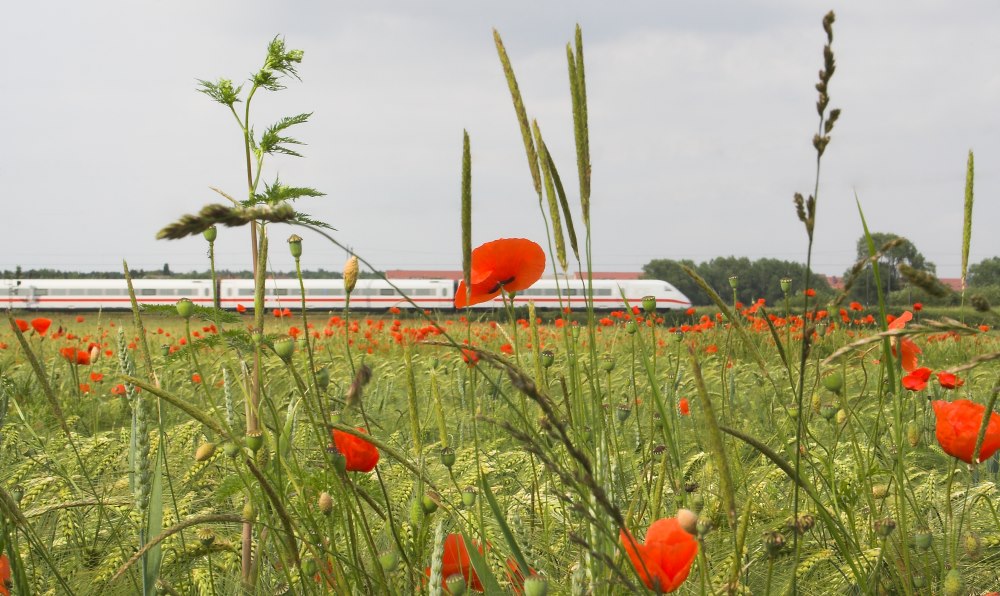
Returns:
(701,120)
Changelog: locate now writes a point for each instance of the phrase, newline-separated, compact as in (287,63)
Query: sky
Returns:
(701,121)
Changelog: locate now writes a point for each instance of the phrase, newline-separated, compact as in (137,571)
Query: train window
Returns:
(170,292)
(41,292)
(147,292)
(424,292)
(246,291)
(386,292)
(58,292)
(602,292)
(93,292)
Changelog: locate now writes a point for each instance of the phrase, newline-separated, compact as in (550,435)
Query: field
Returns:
(811,445)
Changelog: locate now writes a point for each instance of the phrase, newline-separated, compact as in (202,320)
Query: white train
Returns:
(322,294)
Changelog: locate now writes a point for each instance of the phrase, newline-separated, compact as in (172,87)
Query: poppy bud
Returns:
(919,581)
(913,433)
(607,363)
(469,496)
(205,452)
(350,274)
(284,347)
(206,536)
(631,327)
(295,246)
(164,350)
(231,449)
(429,502)
(834,382)
(954,583)
(548,358)
(884,527)
(185,308)
(973,545)
(688,520)
(734,281)
(249,513)
(389,561)
(325,503)
(455,584)
(841,416)
(536,585)
(828,412)
(786,284)
(255,440)
(448,457)
(210,233)
(323,378)
(649,304)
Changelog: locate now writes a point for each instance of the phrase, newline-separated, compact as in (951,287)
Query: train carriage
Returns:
(94,294)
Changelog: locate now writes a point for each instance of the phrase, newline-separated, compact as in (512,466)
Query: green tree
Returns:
(670,271)
(985,273)
(900,250)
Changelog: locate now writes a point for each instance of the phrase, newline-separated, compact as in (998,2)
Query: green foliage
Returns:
(900,250)
(757,279)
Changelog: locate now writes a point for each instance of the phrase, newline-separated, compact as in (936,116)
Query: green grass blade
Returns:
(508,536)
(490,584)
(154,525)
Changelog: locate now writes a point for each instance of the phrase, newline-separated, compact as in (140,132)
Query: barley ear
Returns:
(970,174)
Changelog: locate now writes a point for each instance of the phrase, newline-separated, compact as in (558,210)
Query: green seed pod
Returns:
(607,363)
(428,503)
(786,284)
(649,304)
(206,536)
(919,581)
(231,449)
(923,538)
(309,567)
(973,546)
(164,350)
(536,585)
(834,382)
(323,378)
(623,411)
(575,332)
(631,327)
(954,584)
(284,347)
(295,245)
(255,440)
(547,358)
(389,561)
(185,308)
(773,543)
(469,496)
(734,281)
(448,457)
(885,527)
(210,233)
(455,584)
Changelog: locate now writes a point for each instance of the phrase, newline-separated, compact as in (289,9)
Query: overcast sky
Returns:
(701,120)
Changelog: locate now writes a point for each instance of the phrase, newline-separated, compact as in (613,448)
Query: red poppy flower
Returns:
(4,575)
(455,560)
(118,389)
(856,306)
(684,406)
(690,312)
(84,388)
(810,292)
(917,380)
(41,325)
(665,560)
(294,331)
(361,455)
(96,377)
(712,349)
(196,378)
(79,318)
(22,325)
(949,380)
(509,264)
(240,308)
(917,306)
(908,349)
(958,427)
